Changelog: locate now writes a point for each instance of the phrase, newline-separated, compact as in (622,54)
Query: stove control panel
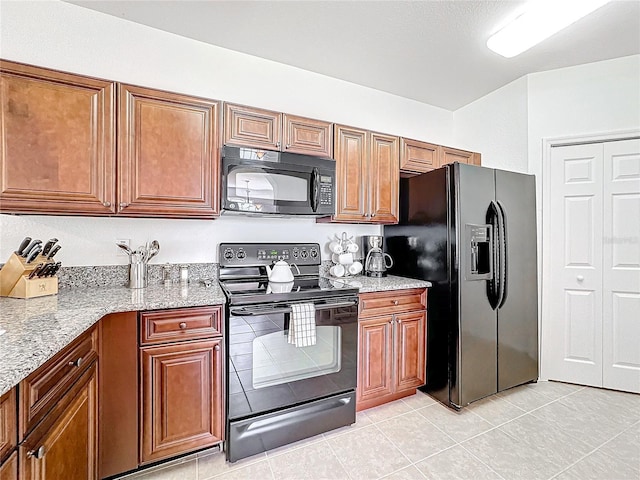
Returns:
(255,254)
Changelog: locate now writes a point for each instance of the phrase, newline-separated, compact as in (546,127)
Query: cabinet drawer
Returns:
(41,390)
(178,325)
(390,302)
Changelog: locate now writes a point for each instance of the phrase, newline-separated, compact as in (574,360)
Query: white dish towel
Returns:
(302,326)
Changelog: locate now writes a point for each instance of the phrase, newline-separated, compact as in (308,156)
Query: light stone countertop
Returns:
(38,328)
(390,282)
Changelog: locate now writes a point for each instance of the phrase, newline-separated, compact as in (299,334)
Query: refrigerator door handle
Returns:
(494,285)
(502,225)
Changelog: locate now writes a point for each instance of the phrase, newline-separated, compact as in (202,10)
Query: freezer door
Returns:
(518,313)
(474,347)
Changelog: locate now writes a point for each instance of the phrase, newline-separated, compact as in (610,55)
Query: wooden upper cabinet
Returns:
(57,151)
(383,179)
(167,154)
(418,157)
(252,127)
(307,136)
(450,155)
(258,128)
(351,154)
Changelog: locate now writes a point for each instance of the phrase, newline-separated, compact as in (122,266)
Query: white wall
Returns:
(496,126)
(70,38)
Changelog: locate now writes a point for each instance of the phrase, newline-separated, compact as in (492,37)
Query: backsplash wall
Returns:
(91,241)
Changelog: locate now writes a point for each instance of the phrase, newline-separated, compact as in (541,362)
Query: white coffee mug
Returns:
(355,268)
(345,258)
(337,270)
(336,247)
(352,247)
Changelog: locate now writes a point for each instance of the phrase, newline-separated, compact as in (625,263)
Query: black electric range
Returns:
(278,392)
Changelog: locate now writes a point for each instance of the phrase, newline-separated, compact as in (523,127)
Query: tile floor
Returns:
(538,431)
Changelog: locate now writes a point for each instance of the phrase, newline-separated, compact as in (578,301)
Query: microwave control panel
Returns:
(326,190)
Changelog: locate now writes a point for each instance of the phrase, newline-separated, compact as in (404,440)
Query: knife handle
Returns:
(48,246)
(52,253)
(36,271)
(23,245)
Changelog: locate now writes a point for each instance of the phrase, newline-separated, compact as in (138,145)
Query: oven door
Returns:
(267,373)
(268,185)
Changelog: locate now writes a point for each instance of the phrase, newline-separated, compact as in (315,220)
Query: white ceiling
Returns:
(430,51)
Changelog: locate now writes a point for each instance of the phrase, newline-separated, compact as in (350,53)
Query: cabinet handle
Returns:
(580,278)
(217,348)
(373,215)
(75,363)
(37,453)
(106,204)
(278,144)
(123,204)
(396,302)
(364,215)
(287,146)
(398,320)
(183,325)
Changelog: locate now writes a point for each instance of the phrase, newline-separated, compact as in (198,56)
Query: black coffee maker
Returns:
(376,262)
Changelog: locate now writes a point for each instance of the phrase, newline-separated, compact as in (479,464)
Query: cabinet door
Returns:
(410,353)
(167,154)
(375,375)
(384,179)
(450,155)
(66,448)
(181,398)
(9,469)
(310,137)
(8,427)
(417,156)
(57,152)
(351,172)
(252,127)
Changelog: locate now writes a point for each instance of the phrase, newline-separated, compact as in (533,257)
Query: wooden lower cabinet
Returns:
(64,444)
(9,469)
(181,398)
(391,347)
(8,424)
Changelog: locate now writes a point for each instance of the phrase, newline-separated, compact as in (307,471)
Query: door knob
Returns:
(580,278)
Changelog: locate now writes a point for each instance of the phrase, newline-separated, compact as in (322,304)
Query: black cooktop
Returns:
(246,291)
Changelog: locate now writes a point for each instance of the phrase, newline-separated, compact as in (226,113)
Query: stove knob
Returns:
(314,253)
(304,254)
(228,254)
(241,254)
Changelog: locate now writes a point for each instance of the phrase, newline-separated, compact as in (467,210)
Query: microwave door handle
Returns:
(314,189)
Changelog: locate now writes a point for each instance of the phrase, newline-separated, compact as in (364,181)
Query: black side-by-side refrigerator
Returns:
(471,231)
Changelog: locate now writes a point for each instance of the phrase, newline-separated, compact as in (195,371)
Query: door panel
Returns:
(375,377)
(477,358)
(384,178)
(307,136)
(573,333)
(621,266)
(351,174)
(518,317)
(252,127)
(410,350)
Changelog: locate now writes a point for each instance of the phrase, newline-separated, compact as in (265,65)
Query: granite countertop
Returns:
(38,328)
(390,282)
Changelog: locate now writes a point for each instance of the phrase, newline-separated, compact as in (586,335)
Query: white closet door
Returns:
(573,333)
(621,266)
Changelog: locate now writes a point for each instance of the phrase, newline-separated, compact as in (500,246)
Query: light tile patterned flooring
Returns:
(537,431)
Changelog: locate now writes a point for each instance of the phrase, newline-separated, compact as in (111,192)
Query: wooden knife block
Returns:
(14,282)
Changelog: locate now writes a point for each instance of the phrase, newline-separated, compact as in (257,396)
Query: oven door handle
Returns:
(248,311)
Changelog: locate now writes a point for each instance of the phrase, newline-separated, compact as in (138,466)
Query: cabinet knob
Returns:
(183,325)
(287,146)
(75,363)
(580,278)
(123,204)
(398,320)
(396,302)
(364,215)
(278,144)
(217,348)
(106,204)
(373,215)
(37,453)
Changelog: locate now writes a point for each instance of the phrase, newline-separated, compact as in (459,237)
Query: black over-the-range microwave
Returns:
(265,182)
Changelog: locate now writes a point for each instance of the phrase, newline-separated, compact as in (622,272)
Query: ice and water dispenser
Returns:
(479,250)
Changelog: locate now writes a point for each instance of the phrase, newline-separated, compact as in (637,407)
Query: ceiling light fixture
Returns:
(542,19)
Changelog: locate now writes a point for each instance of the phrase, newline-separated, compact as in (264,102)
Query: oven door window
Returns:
(266,372)
(258,189)
(276,361)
